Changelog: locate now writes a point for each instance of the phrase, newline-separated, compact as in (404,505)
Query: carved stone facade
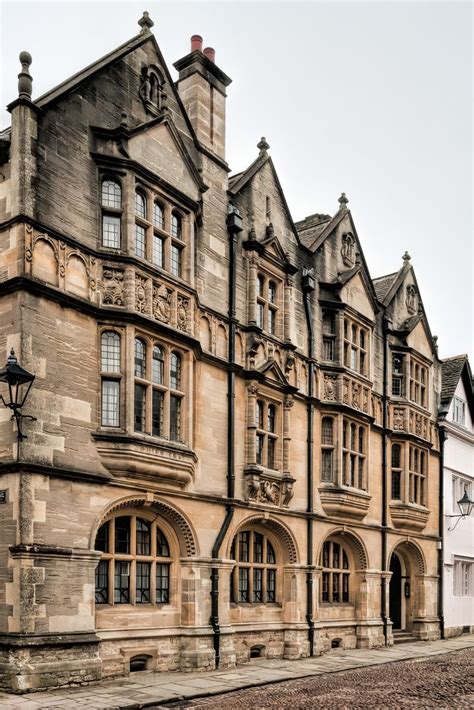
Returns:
(210,379)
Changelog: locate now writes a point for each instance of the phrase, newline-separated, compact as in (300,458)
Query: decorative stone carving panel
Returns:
(347,391)
(112,286)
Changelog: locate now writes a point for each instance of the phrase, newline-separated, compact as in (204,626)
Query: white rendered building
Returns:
(456,420)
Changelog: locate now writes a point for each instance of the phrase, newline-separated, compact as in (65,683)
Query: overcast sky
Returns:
(370,98)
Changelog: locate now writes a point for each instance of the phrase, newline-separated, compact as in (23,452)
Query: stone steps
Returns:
(404,637)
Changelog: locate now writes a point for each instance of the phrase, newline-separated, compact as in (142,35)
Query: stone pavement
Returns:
(145,688)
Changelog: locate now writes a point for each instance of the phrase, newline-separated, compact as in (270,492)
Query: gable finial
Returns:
(25,80)
(146,23)
(263,146)
(343,201)
(406,257)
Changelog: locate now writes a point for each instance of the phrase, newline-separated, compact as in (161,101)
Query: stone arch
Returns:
(77,275)
(355,543)
(45,260)
(205,335)
(181,525)
(239,349)
(412,551)
(284,535)
(221,342)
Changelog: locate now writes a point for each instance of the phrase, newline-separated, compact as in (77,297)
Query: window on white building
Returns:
(459,487)
(459,411)
(463,578)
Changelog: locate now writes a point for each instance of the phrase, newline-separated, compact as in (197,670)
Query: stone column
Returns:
(252,392)
(252,288)
(287,309)
(287,405)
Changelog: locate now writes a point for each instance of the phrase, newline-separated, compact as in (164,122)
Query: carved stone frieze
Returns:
(182,313)
(263,489)
(330,388)
(112,286)
(141,301)
(399,419)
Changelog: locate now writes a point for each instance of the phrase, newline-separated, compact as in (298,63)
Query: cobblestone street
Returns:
(445,681)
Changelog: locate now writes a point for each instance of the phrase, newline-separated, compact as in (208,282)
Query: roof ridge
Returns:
(385,276)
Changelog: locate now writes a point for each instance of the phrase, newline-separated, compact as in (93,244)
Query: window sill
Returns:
(346,502)
(408,516)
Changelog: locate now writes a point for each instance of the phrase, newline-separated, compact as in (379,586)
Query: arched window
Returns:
(176,226)
(111,200)
(140,389)
(175,397)
(397,469)
(135,564)
(254,578)
(327,450)
(267,436)
(110,366)
(335,579)
(141,227)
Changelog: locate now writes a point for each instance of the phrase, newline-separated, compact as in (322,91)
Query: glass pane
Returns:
(361,440)
(157,413)
(326,554)
(102,538)
(158,216)
(102,582)
(140,241)
(260,315)
(258,584)
(335,554)
(175,371)
(326,465)
(143,537)
(244,542)
(345,561)
(329,324)
(396,455)
(162,583)
(158,365)
(345,588)
(260,415)
(176,260)
(140,358)
(271,321)
(335,587)
(271,559)
(244,595)
(271,585)
(162,547)
(111,194)
(110,351)
(260,442)
(175,418)
(260,283)
(176,225)
(271,463)
(325,587)
(122,582)
(328,349)
(140,205)
(140,400)
(272,292)
(157,255)
(327,431)
(122,535)
(111,231)
(110,411)
(271,418)
(142,586)
(396,488)
(257,547)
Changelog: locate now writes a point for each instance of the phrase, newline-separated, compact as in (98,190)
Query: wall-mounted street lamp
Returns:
(465,506)
(19,383)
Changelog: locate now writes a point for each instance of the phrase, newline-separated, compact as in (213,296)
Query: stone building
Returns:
(457,437)
(235,451)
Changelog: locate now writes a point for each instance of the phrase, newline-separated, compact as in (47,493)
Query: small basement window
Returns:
(138,663)
(336,643)
(257,652)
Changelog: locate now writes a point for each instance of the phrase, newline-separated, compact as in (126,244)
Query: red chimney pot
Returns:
(196,43)
(210,53)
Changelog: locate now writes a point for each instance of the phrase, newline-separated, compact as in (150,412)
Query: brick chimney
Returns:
(202,87)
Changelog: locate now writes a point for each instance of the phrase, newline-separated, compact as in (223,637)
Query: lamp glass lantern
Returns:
(465,504)
(19,383)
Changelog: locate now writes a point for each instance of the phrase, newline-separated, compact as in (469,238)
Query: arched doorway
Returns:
(395,599)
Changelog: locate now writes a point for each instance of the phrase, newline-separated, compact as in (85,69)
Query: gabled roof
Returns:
(69,84)
(383,284)
(272,367)
(452,370)
(238,181)
(311,227)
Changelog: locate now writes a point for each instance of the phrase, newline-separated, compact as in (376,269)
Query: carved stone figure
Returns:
(356,395)
(399,419)
(287,492)
(161,303)
(348,249)
(410,299)
(330,387)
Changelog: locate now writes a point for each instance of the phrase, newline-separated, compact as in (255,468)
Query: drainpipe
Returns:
(442,439)
(383,588)
(234,226)
(307,284)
